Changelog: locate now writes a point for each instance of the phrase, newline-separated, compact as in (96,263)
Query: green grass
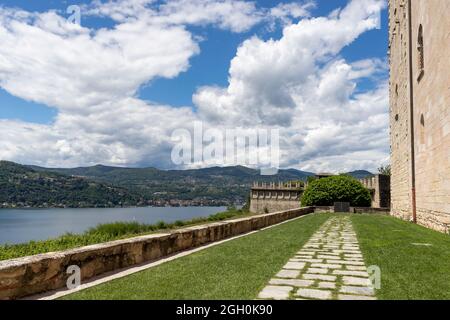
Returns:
(237,269)
(407,271)
(104,233)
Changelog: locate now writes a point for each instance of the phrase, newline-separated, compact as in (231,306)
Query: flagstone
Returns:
(309,276)
(327,285)
(294,265)
(355,263)
(326,257)
(356,268)
(333,248)
(310,260)
(292,274)
(275,292)
(317,271)
(353,297)
(351,273)
(326,265)
(315,294)
(356,281)
(292,282)
(367,291)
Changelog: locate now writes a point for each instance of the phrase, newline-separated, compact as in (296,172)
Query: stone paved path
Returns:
(329,266)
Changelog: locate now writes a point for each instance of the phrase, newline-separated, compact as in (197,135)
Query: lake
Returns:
(23,225)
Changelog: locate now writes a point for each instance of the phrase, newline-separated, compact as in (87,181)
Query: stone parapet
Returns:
(273,197)
(44,272)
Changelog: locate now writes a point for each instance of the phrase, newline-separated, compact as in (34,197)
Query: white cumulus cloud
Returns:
(298,83)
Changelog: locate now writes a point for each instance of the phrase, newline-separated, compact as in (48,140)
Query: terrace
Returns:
(413,263)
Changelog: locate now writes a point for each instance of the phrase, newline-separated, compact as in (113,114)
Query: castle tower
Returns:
(419,45)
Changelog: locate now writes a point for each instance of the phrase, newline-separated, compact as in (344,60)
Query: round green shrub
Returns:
(327,191)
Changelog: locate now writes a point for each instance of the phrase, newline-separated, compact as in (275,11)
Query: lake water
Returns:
(23,225)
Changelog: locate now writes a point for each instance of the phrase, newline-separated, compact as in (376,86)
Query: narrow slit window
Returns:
(420,54)
(422,129)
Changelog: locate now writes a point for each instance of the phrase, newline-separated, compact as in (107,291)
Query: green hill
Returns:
(225,184)
(114,186)
(360,174)
(22,186)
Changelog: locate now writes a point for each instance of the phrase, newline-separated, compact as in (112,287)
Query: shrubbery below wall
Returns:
(342,188)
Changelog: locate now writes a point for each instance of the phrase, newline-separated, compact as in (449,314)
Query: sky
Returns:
(114,88)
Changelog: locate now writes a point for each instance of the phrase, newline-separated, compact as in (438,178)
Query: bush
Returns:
(327,191)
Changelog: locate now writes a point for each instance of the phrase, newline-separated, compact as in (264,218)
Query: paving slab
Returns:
(310,260)
(356,281)
(353,297)
(315,294)
(355,263)
(326,266)
(327,285)
(275,292)
(364,291)
(329,265)
(351,273)
(291,274)
(309,276)
(317,271)
(294,265)
(292,282)
(356,268)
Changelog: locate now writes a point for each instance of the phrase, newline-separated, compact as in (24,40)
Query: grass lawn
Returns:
(407,271)
(240,268)
(237,269)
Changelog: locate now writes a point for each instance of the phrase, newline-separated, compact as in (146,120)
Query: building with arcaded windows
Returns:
(419,44)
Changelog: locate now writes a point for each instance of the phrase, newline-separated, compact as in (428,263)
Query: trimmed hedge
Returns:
(342,188)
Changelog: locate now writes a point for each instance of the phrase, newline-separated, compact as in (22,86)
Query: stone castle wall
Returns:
(273,197)
(401,197)
(431,115)
(380,189)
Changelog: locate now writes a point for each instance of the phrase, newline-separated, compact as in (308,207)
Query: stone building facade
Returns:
(273,197)
(379,186)
(419,45)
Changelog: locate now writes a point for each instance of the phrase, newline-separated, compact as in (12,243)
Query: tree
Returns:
(386,170)
(311,179)
(246,206)
(342,188)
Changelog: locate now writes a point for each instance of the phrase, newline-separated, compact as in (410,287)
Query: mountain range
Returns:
(21,186)
(114,186)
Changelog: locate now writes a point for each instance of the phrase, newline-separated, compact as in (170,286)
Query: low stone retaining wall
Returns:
(44,272)
(370,210)
(323,209)
(330,209)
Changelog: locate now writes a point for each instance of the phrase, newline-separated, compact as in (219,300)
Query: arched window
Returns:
(420,54)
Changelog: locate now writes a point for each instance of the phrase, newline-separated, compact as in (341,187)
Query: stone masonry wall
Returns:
(380,188)
(273,197)
(272,205)
(40,273)
(401,184)
(431,111)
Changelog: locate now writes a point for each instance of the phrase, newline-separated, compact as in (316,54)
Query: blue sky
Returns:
(41,102)
(210,67)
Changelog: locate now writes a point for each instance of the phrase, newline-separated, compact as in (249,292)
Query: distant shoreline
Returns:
(117,207)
